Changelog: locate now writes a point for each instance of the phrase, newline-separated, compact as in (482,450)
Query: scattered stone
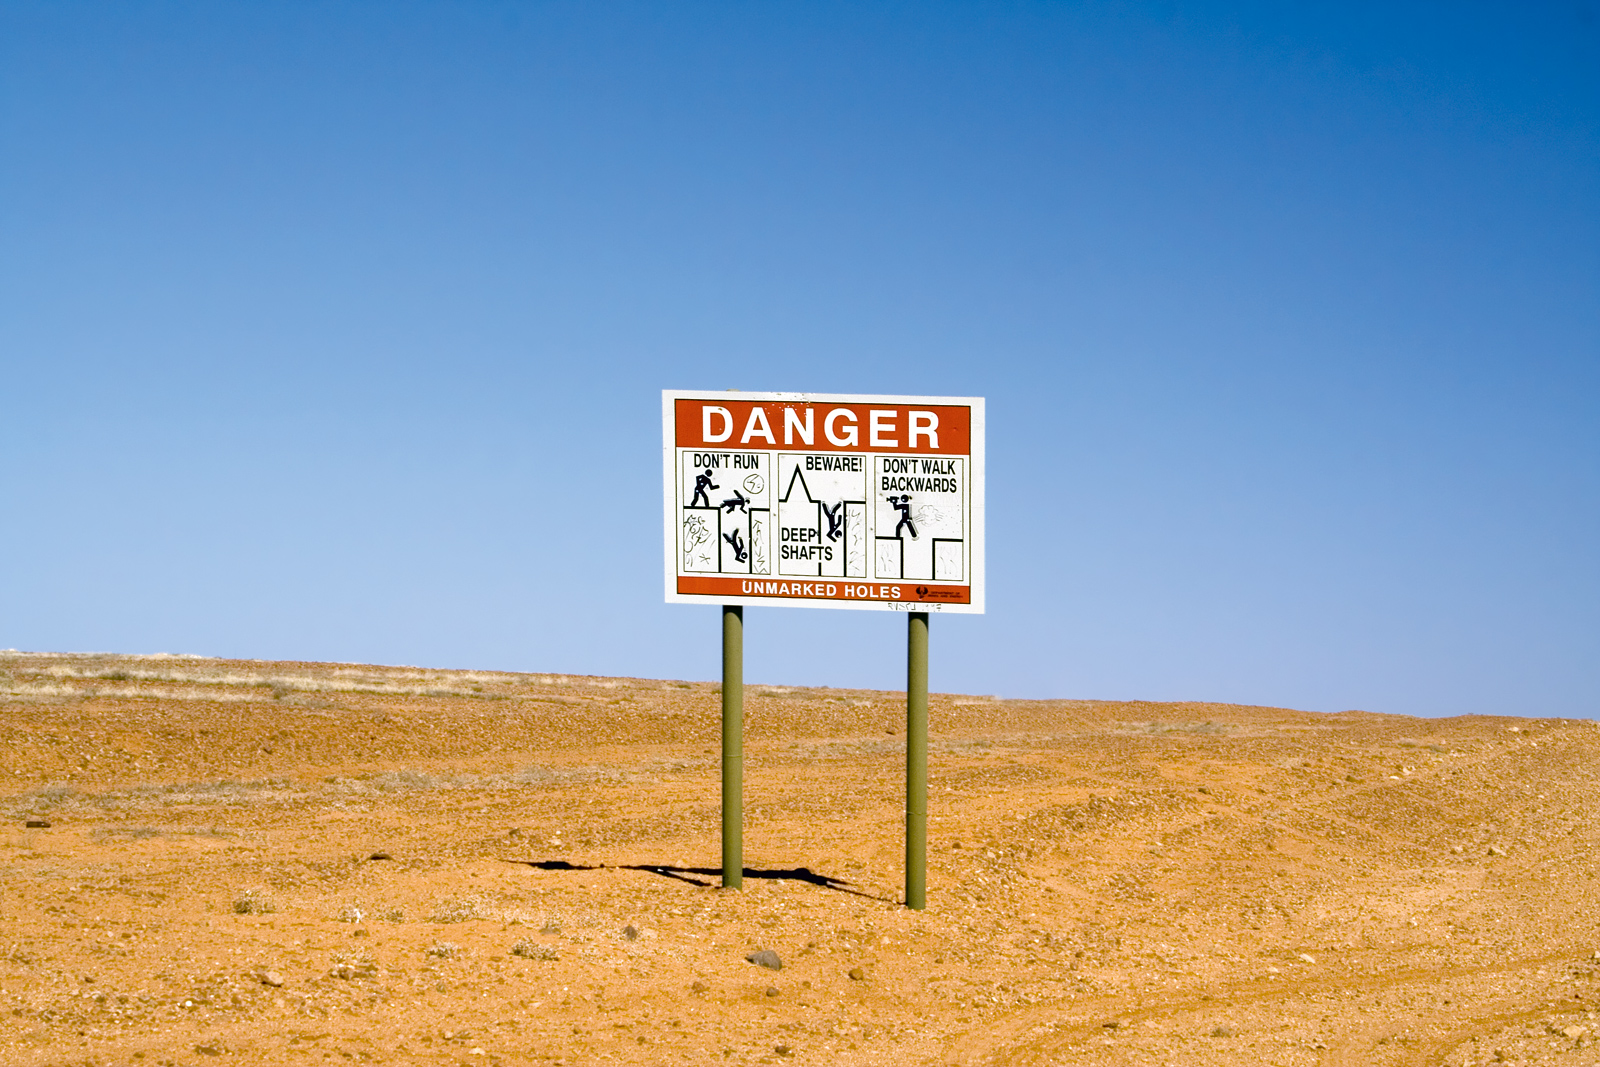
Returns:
(271,978)
(765,957)
(1305,958)
(443,950)
(1222,1031)
(857,974)
(772,990)
(697,987)
(630,932)
(532,950)
(38,824)
(550,927)
(209,1050)
(380,856)
(1496,850)
(1574,1032)
(783,1050)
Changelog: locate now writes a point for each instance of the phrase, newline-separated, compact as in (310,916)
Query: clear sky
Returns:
(337,331)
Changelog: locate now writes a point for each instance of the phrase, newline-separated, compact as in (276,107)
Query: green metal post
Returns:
(917,761)
(732,747)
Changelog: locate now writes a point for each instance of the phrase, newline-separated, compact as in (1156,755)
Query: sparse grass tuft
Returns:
(254,902)
(459,911)
(532,950)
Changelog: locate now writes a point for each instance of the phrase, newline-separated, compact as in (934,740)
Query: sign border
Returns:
(669,503)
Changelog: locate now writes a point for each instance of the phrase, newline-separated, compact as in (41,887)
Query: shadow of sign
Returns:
(707,876)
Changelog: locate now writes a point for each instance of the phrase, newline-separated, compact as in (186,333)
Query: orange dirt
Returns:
(1109,883)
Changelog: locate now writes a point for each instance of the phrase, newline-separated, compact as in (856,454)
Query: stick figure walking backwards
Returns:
(702,482)
(902,504)
(737,541)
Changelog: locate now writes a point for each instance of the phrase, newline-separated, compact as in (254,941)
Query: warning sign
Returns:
(824,501)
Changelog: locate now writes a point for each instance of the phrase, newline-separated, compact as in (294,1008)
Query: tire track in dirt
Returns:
(1005,1043)
(1360,1050)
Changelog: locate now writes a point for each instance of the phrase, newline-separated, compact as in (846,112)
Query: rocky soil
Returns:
(294,863)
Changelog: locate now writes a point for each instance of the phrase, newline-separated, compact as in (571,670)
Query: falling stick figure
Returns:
(902,504)
(735,502)
(736,539)
(834,519)
(702,482)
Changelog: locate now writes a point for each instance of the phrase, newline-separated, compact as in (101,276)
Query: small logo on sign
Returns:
(922,592)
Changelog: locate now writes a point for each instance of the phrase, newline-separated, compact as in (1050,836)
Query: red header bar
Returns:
(714,422)
(826,589)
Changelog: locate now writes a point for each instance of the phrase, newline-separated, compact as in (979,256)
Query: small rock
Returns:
(1222,1031)
(698,987)
(442,949)
(783,1050)
(857,974)
(630,932)
(1574,1032)
(38,824)
(1113,1024)
(1304,958)
(271,978)
(772,990)
(1496,850)
(380,856)
(765,957)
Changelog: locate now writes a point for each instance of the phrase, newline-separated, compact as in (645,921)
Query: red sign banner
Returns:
(824,427)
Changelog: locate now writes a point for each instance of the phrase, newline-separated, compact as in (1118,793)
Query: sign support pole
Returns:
(732,747)
(917,761)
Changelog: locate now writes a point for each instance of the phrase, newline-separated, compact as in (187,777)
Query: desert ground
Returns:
(301,863)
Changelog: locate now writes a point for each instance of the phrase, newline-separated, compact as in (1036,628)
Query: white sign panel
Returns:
(824,501)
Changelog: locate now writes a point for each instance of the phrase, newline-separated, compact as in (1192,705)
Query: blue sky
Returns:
(337,331)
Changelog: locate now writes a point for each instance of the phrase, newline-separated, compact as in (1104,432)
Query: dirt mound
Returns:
(286,863)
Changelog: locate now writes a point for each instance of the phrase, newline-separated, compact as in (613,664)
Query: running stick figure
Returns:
(702,482)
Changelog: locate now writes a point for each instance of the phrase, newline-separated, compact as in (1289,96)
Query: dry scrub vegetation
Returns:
(287,863)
